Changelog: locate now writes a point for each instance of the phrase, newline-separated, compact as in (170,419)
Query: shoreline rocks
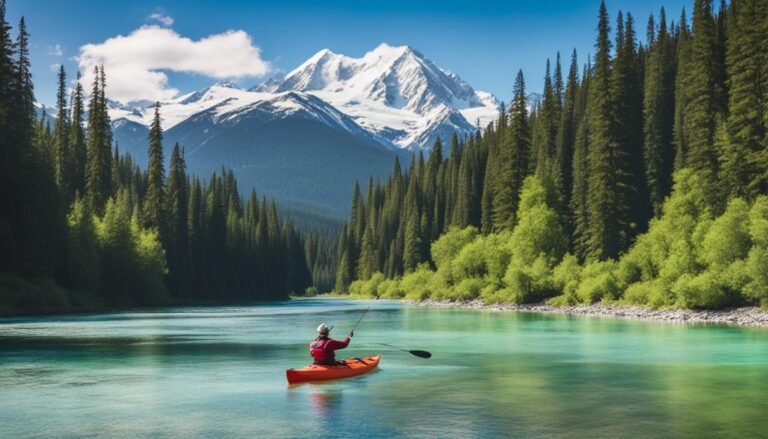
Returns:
(746,316)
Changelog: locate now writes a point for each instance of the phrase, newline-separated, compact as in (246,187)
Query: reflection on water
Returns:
(325,401)
(214,372)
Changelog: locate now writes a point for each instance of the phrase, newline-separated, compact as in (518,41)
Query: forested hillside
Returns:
(641,176)
(82,227)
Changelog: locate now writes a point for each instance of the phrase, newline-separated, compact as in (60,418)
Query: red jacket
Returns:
(322,349)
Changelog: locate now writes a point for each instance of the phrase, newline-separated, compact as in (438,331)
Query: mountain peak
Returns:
(392,94)
(391,80)
(322,53)
(384,50)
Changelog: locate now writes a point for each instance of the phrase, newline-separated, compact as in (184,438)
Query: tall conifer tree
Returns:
(604,202)
(154,200)
(658,113)
(701,89)
(513,160)
(98,149)
(76,140)
(64,157)
(744,165)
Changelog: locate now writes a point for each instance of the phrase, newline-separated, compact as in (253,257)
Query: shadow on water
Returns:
(159,346)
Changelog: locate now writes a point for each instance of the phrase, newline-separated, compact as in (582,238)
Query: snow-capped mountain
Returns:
(396,92)
(307,137)
(231,112)
(400,97)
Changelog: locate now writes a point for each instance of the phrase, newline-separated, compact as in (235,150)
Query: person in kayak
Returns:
(322,348)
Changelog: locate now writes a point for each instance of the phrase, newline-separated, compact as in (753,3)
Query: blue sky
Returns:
(483,42)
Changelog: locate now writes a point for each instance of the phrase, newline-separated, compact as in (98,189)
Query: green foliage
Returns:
(540,231)
(448,246)
(537,244)
(566,277)
(529,283)
(599,282)
(603,151)
(757,260)
(86,228)
(133,259)
(84,252)
(421,284)
(727,239)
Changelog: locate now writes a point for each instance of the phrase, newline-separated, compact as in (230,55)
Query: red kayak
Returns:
(315,372)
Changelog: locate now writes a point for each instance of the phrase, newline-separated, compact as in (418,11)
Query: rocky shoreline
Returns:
(747,316)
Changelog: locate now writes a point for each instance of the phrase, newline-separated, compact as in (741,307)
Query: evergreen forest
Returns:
(82,227)
(640,177)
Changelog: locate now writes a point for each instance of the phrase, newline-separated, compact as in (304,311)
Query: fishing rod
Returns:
(358,320)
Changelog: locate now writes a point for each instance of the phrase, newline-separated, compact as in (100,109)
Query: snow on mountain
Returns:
(268,86)
(293,104)
(394,91)
(393,95)
(293,146)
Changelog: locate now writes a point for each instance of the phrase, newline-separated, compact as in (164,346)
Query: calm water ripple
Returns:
(220,372)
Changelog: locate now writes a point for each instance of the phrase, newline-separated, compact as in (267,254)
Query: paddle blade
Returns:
(422,354)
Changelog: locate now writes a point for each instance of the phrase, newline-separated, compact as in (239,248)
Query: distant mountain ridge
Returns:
(395,93)
(353,115)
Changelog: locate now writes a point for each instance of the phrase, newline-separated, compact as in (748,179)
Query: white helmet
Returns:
(324,329)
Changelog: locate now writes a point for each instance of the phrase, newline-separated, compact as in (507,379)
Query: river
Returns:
(220,372)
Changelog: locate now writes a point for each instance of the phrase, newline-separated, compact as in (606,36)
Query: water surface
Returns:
(220,372)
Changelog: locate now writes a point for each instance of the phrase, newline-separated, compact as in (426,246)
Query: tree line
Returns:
(83,227)
(616,185)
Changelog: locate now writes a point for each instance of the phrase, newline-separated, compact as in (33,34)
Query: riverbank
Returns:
(746,316)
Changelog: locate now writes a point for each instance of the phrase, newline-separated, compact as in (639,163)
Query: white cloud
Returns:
(165,20)
(55,67)
(55,50)
(136,64)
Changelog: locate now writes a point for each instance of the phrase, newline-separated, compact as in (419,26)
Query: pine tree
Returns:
(76,140)
(345,270)
(743,162)
(558,83)
(486,200)
(579,194)
(566,133)
(545,131)
(603,203)
(658,114)
(10,150)
(25,88)
(194,226)
(177,247)
(701,89)
(65,165)
(98,149)
(154,200)
(368,263)
(413,245)
(683,55)
(626,93)
(513,160)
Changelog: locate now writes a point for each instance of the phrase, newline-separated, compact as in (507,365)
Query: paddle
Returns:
(422,354)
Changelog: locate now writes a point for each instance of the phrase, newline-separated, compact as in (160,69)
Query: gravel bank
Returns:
(747,316)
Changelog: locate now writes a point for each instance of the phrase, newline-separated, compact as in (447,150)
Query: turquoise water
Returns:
(220,372)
